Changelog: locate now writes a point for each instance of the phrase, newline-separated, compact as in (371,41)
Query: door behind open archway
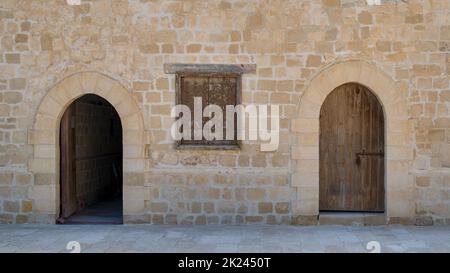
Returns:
(91,163)
(351,172)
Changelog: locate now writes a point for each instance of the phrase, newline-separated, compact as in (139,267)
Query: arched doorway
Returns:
(351,147)
(90,163)
(399,153)
(44,138)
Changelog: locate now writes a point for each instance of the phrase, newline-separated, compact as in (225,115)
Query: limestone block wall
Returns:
(51,53)
(217,197)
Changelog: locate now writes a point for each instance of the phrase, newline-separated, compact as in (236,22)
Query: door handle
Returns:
(358,160)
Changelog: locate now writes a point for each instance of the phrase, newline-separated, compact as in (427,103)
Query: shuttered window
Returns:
(221,89)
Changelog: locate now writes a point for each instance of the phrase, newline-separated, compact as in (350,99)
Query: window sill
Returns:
(208,147)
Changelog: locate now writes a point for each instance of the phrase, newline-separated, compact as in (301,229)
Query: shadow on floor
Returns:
(107,212)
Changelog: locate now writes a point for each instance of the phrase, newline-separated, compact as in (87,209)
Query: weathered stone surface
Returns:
(12,58)
(424,221)
(304,220)
(11,206)
(289,53)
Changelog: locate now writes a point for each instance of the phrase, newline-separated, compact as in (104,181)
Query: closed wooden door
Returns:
(351,151)
(67,149)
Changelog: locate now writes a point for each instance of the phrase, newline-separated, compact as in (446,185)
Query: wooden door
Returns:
(351,151)
(67,150)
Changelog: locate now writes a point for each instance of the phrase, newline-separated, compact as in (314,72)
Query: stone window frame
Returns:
(208,70)
(238,96)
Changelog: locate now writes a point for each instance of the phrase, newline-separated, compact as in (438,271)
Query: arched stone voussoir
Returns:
(72,86)
(49,107)
(89,81)
(43,121)
(309,109)
(320,86)
(345,72)
(60,94)
(127,108)
(133,122)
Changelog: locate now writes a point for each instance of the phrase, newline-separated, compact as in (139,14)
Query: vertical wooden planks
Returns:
(351,151)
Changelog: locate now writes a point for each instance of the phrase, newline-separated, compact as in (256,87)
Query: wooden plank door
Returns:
(67,149)
(351,151)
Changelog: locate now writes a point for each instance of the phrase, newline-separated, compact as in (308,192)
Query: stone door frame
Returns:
(44,138)
(399,184)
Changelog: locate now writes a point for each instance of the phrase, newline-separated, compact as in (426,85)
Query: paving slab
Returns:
(222,238)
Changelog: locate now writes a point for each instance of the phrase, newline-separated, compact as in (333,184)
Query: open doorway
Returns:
(91,163)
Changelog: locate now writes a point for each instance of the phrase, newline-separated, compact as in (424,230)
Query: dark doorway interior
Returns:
(91,163)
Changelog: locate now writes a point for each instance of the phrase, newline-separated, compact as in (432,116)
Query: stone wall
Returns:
(218,197)
(291,42)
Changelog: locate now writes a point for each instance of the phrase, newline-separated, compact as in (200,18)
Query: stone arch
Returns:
(44,138)
(399,183)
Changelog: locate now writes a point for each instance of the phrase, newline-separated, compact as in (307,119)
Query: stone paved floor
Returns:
(106,212)
(146,238)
